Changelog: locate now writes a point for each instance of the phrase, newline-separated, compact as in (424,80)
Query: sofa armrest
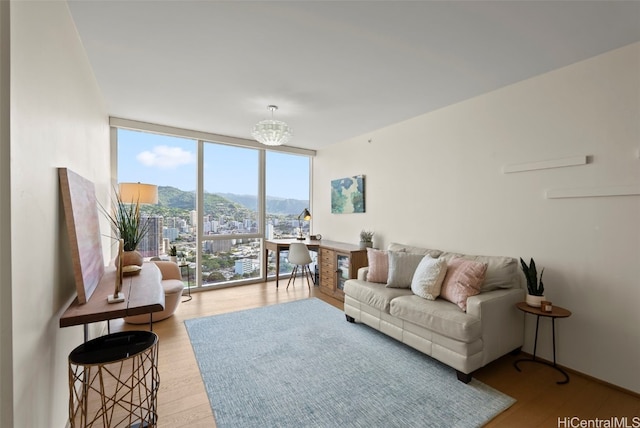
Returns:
(502,322)
(362,273)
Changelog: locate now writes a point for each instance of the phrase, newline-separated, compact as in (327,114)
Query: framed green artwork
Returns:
(347,195)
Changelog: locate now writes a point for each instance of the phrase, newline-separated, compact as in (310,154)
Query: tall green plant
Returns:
(535,287)
(126,223)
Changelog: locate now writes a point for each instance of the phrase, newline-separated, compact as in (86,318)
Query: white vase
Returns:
(534,301)
(366,244)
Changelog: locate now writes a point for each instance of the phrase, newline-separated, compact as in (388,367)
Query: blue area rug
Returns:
(301,364)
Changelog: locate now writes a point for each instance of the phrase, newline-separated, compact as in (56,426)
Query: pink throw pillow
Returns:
(463,279)
(378,265)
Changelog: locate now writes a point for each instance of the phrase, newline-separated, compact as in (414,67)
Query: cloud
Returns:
(166,157)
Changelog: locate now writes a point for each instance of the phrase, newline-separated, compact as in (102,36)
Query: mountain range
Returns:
(172,197)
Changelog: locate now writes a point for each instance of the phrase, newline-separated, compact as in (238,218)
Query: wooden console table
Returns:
(143,295)
(338,261)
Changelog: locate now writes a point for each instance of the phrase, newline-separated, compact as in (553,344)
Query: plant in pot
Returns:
(366,238)
(535,287)
(127,224)
(173,254)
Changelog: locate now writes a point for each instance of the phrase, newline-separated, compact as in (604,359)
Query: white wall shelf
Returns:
(553,163)
(592,192)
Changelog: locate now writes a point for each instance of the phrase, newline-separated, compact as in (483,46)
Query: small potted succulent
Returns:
(173,254)
(366,239)
(535,287)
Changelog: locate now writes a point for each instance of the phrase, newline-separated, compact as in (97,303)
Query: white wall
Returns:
(437,181)
(58,119)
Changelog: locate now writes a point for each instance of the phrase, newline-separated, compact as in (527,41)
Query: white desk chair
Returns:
(299,256)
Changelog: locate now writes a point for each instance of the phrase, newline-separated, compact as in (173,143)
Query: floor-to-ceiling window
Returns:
(287,189)
(171,164)
(217,202)
(231,235)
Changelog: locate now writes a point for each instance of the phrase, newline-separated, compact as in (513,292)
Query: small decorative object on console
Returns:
(366,239)
(117,295)
(546,306)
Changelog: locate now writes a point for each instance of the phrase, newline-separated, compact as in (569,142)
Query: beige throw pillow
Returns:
(428,277)
(401,268)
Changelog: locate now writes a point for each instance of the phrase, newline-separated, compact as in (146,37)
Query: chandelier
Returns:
(271,132)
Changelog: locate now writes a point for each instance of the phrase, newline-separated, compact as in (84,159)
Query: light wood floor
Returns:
(182,400)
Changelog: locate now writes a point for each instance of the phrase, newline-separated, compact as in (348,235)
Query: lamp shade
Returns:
(305,215)
(140,193)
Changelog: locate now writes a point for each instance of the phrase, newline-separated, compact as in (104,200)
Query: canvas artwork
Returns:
(347,195)
(83,228)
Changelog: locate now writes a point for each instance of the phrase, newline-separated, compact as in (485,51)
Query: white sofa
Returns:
(490,328)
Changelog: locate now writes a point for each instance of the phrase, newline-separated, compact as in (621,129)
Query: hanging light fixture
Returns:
(271,132)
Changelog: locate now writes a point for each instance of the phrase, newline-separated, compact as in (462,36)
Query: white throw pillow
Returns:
(428,277)
(401,268)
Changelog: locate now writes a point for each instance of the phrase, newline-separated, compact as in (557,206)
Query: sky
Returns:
(170,161)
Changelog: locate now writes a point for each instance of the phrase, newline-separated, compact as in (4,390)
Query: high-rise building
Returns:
(243,266)
(212,247)
(170,233)
(151,244)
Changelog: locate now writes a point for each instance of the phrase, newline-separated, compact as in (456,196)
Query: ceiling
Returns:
(336,69)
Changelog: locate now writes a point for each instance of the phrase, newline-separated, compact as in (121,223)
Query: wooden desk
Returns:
(277,245)
(143,295)
(332,256)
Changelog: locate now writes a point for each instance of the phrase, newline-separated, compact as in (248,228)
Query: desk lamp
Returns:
(306,216)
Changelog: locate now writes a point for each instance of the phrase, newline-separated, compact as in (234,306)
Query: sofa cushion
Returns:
(378,261)
(402,266)
(373,294)
(428,277)
(463,279)
(438,316)
(415,250)
(502,272)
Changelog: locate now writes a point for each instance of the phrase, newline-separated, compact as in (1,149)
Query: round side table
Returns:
(557,312)
(114,380)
